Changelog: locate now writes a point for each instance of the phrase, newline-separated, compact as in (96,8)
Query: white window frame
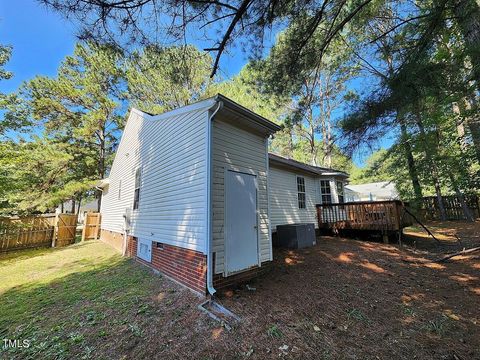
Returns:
(136,199)
(299,192)
(340,191)
(324,194)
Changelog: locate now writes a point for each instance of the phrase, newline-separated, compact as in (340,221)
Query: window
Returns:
(341,197)
(136,195)
(326,191)
(301,192)
(120,189)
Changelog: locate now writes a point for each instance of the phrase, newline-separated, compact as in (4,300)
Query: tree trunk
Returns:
(412,169)
(471,121)
(473,125)
(466,211)
(467,13)
(433,167)
(474,129)
(460,126)
(313,152)
(311,136)
(72,209)
(101,165)
(78,205)
(327,143)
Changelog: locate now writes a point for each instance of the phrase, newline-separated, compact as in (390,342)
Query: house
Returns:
(376,191)
(88,206)
(295,189)
(188,193)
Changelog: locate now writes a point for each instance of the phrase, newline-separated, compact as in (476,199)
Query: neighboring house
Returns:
(89,206)
(383,190)
(188,193)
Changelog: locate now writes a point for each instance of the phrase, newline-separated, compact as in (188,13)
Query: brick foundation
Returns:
(131,247)
(188,267)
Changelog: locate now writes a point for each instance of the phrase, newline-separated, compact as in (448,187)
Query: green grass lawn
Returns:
(82,301)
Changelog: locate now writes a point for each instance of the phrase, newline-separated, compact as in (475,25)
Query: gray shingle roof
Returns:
(317,170)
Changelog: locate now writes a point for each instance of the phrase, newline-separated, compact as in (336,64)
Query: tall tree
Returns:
(383,66)
(82,106)
(320,98)
(467,14)
(39,175)
(245,21)
(14,110)
(246,89)
(162,79)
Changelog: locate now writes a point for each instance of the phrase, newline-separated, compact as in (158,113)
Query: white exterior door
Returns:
(241,235)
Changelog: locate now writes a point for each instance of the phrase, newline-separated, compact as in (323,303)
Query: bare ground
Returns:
(342,299)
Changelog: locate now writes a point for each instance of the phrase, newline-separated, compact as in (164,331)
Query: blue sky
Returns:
(42,38)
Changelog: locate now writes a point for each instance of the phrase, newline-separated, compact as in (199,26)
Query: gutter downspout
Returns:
(125,235)
(210,287)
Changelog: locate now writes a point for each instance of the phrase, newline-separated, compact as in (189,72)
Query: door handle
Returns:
(255,227)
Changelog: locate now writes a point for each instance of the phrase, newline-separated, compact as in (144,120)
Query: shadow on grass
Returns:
(22,254)
(56,316)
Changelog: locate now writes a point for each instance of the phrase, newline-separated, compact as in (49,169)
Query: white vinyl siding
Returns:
(125,161)
(284,207)
(171,152)
(240,150)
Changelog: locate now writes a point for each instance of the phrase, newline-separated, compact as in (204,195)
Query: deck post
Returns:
(385,238)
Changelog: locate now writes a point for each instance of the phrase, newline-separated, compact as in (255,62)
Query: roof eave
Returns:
(305,167)
(270,126)
(102,183)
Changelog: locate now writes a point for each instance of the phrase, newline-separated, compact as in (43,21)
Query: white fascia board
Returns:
(205,104)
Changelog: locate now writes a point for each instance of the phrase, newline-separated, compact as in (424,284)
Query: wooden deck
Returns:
(384,216)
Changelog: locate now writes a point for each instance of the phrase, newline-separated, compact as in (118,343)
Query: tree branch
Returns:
(240,12)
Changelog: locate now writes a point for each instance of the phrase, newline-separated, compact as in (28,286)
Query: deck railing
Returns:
(363,215)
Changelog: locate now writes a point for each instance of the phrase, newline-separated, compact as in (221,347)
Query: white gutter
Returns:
(267,167)
(210,287)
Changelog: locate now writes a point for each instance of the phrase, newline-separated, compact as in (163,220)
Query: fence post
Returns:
(85,224)
(97,226)
(55,230)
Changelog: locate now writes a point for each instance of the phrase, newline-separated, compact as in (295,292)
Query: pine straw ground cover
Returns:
(342,299)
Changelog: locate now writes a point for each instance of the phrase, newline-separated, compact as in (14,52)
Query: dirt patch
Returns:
(342,299)
(452,236)
(347,299)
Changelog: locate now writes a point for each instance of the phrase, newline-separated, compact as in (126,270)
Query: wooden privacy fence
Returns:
(452,205)
(91,226)
(37,231)
(65,230)
(363,215)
